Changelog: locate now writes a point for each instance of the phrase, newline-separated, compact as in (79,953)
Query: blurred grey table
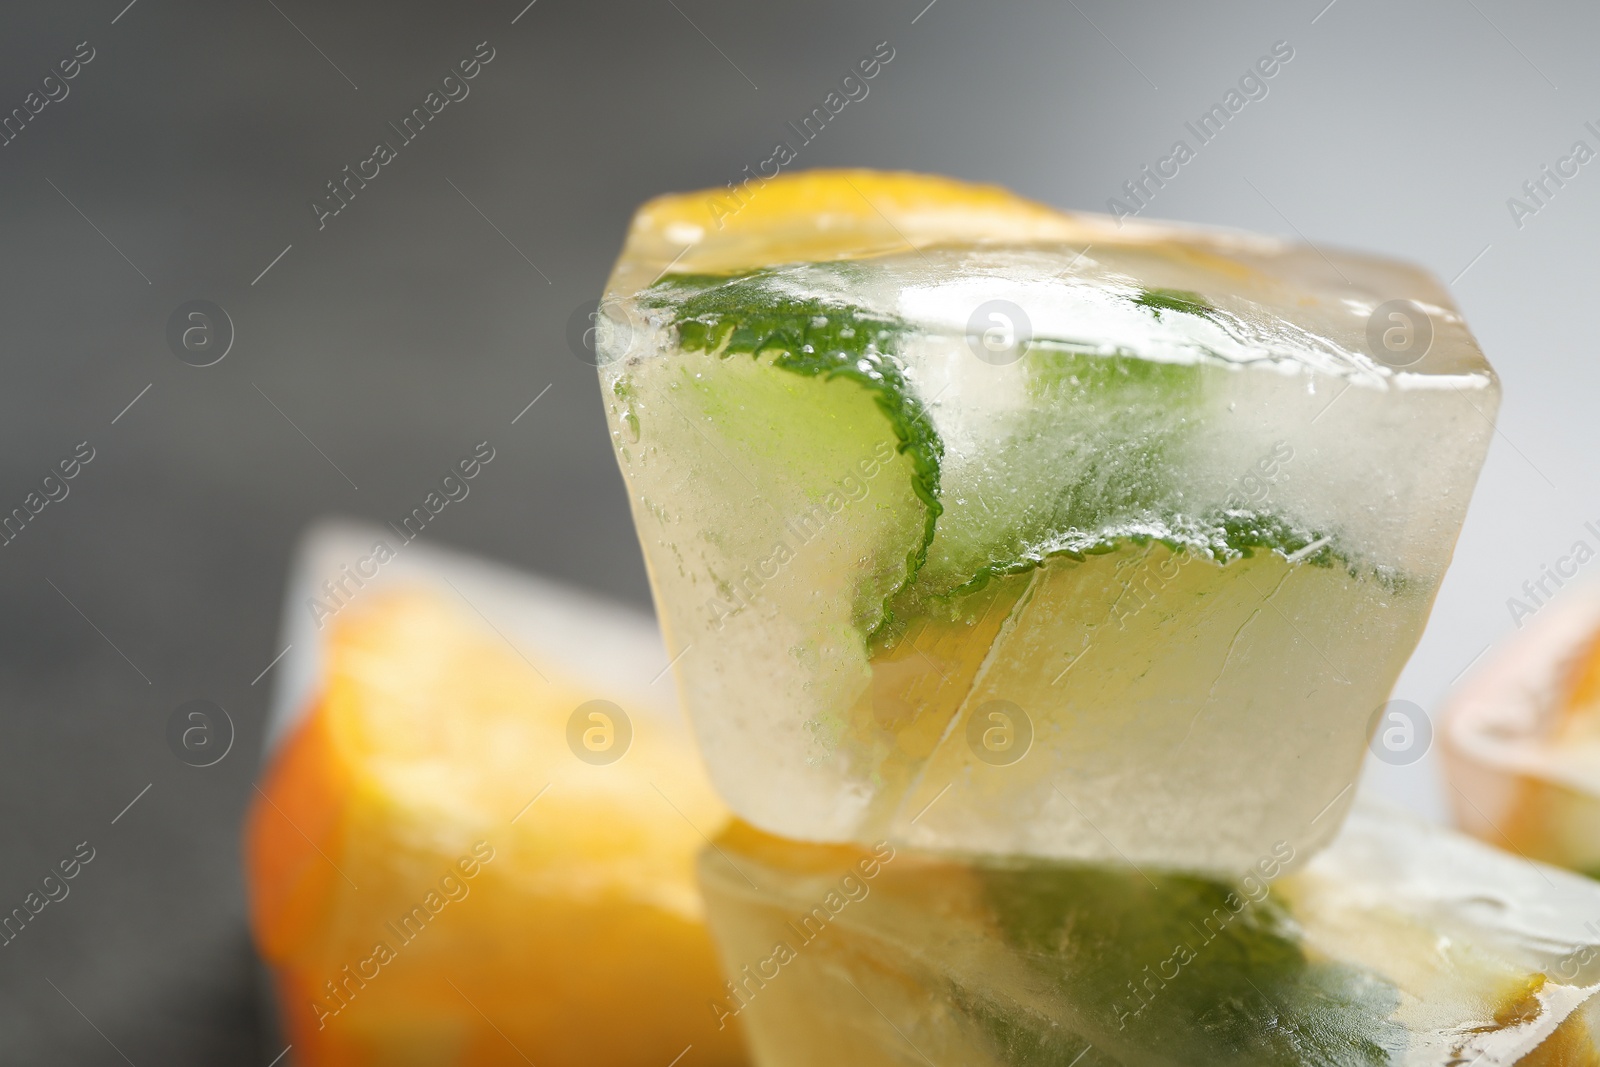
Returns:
(373,347)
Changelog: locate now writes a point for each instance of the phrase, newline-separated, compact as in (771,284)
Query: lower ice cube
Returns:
(1400,944)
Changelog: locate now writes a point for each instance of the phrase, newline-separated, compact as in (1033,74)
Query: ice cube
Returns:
(445,863)
(1399,944)
(1521,739)
(983,527)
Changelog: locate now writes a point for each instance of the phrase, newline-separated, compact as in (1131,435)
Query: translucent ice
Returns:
(1400,944)
(982,527)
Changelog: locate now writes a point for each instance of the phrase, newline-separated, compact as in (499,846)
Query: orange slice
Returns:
(437,877)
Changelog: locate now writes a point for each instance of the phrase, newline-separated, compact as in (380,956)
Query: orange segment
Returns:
(1582,714)
(837,214)
(1569,1045)
(417,908)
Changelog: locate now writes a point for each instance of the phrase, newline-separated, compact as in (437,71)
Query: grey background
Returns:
(410,328)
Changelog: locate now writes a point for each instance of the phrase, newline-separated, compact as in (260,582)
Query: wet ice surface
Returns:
(1399,944)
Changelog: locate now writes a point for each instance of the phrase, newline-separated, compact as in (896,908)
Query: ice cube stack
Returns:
(1031,583)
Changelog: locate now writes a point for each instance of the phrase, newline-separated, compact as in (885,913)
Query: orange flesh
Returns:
(572,936)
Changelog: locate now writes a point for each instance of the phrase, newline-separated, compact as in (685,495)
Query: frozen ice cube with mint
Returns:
(986,528)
